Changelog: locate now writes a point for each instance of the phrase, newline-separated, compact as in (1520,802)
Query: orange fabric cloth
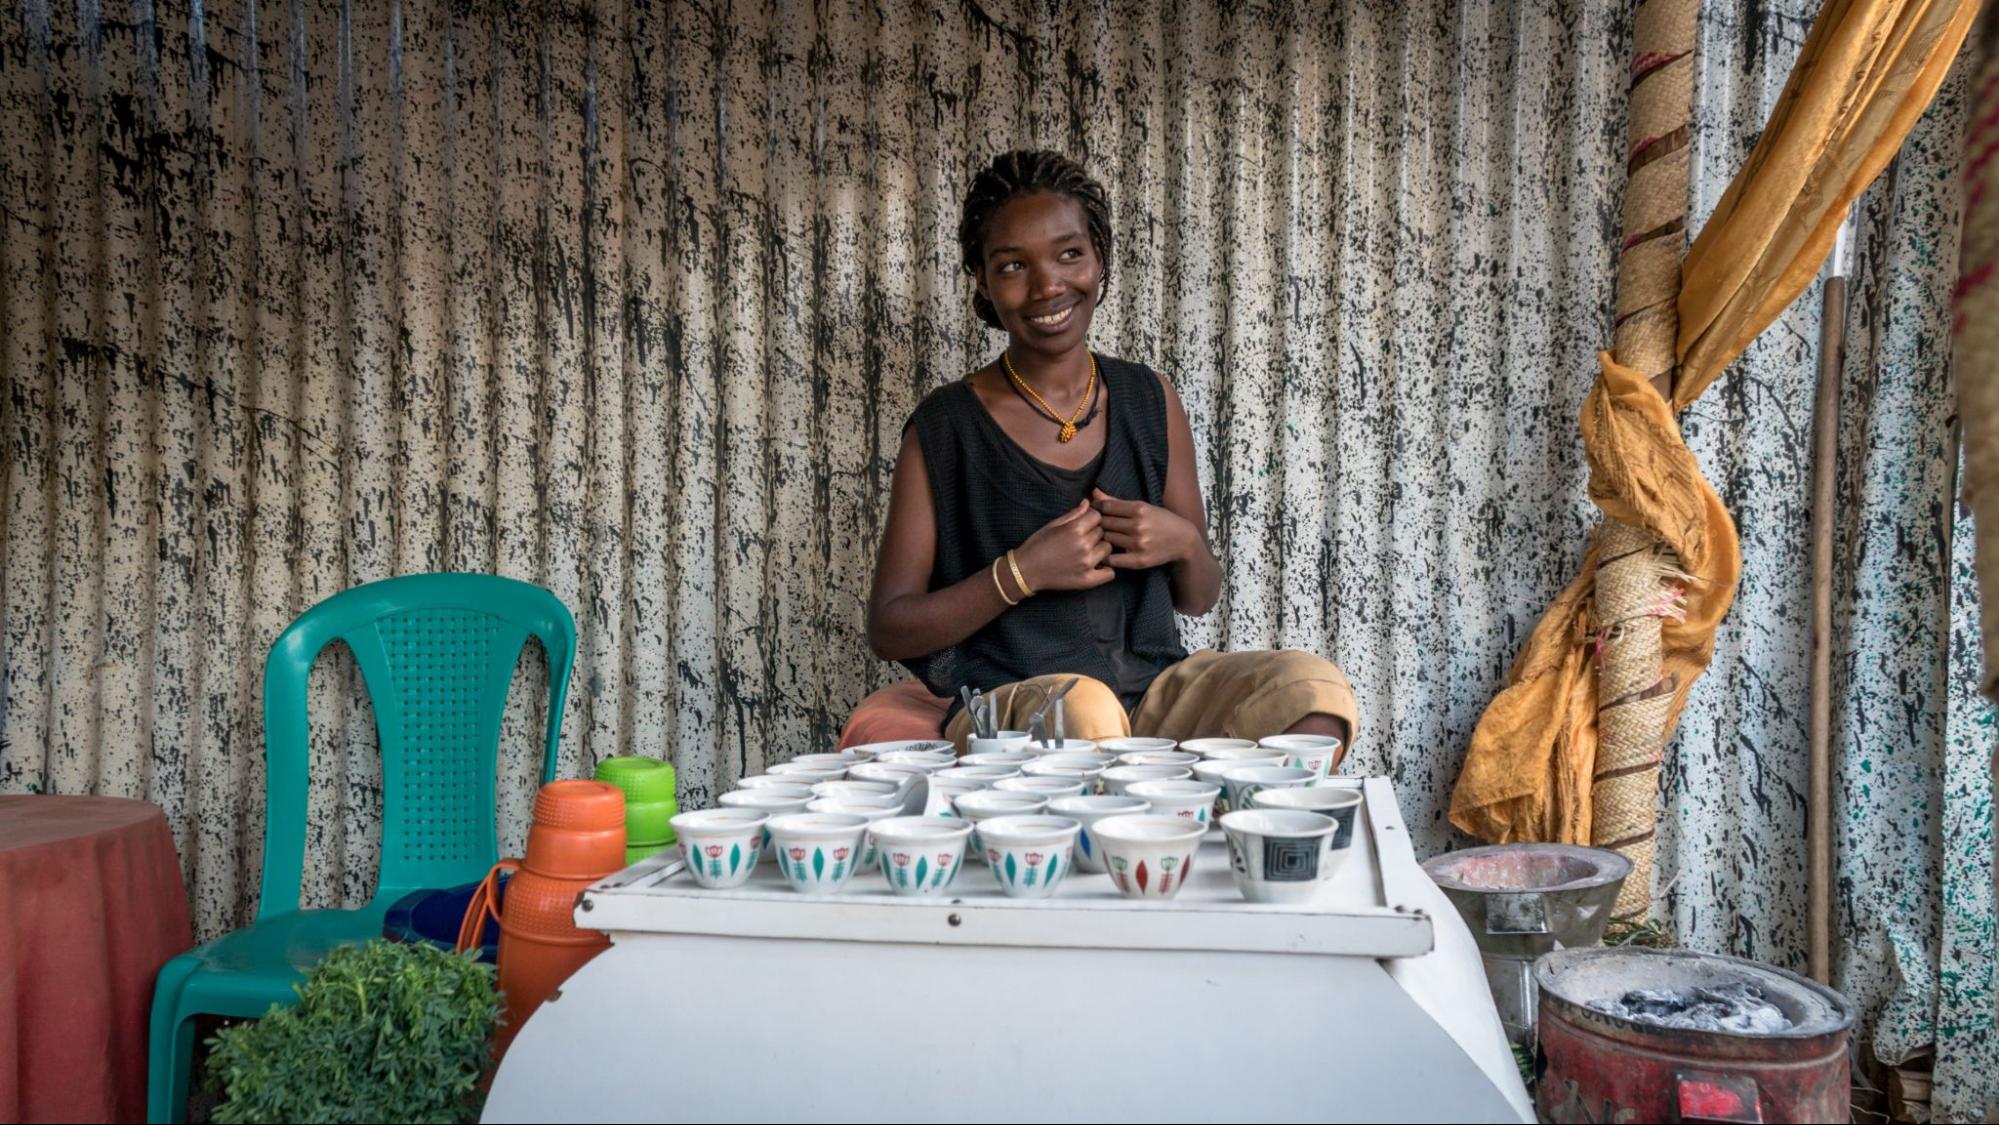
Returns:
(904,709)
(1866,73)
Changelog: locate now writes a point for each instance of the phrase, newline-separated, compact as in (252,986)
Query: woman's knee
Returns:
(1288,666)
(1089,710)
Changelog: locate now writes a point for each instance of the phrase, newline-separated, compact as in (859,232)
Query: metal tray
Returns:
(1368,909)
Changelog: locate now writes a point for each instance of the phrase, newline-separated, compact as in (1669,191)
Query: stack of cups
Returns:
(648,785)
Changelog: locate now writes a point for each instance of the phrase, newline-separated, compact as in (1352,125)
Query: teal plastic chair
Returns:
(437,653)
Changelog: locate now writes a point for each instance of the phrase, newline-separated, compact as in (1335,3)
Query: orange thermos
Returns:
(577,838)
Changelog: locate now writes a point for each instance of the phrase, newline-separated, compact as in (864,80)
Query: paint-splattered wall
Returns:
(632,300)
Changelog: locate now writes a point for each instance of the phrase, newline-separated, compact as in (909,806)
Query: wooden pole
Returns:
(1825,479)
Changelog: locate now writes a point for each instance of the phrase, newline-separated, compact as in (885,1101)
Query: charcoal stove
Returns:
(1671,1035)
(1524,900)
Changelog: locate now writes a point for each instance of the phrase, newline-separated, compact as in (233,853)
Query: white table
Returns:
(758,1004)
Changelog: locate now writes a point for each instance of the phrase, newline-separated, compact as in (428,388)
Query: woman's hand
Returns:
(1143,535)
(1067,553)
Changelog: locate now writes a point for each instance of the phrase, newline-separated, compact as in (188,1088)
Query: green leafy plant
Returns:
(381,1032)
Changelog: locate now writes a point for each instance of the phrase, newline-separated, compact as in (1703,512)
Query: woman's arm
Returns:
(1173,534)
(906,618)
(1197,576)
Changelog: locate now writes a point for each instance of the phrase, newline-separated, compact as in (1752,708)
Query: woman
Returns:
(1046,521)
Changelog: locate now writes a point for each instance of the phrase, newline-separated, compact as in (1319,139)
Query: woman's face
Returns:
(1042,273)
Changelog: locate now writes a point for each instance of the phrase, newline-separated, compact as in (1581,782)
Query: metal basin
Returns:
(1523,900)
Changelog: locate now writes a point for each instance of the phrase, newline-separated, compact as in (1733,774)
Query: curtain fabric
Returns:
(1864,76)
(632,300)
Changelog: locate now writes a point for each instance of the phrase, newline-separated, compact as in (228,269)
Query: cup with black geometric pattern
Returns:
(1244,782)
(1341,802)
(1278,855)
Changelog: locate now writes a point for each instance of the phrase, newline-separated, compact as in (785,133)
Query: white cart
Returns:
(759,1004)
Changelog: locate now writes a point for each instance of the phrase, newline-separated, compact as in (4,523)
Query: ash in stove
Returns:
(1738,1007)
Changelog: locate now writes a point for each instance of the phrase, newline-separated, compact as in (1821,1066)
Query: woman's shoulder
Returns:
(944,399)
(1137,379)
(1131,369)
(942,411)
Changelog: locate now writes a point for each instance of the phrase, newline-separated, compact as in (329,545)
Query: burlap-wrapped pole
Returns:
(1637,579)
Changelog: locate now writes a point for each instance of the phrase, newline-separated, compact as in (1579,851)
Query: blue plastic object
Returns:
(434,917)
(437,652)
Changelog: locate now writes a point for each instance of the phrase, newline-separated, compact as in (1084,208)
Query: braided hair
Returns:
(1024,172)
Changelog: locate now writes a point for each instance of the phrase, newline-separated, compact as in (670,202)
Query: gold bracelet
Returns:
(1025,589)
(1000,588)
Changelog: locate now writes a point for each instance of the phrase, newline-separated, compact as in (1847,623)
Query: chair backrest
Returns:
(437,653)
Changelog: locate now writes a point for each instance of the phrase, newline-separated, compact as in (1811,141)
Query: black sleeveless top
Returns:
(991,495)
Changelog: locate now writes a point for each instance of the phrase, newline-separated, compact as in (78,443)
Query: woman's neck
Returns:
(1065,375)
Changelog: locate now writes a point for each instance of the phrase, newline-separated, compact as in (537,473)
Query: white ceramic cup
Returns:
(920,855)
(1188,800)
(1340,802)
(818,852)
(902,777)
(1086,811)
(810,771)
(1213,769)
(1207,746)
(1013,759)
(1159,758)
(1004,741)
(1136,745)
(838,761)
(1095,759)
(1050,787)
(869,813)
(1029,855)
(1315,752)
(774,800)
(888,801)
(948,784)
(873,750)
(1087,775)
(1278,855)
(928,761)
(988,772)
(791,785)
(1147,856)
(1119,778)
(1243,782)
(986,804)
(721,846)
(1066,746)
(1246,756)
(884,790)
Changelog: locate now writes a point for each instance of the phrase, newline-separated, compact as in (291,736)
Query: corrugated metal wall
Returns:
(632,300)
